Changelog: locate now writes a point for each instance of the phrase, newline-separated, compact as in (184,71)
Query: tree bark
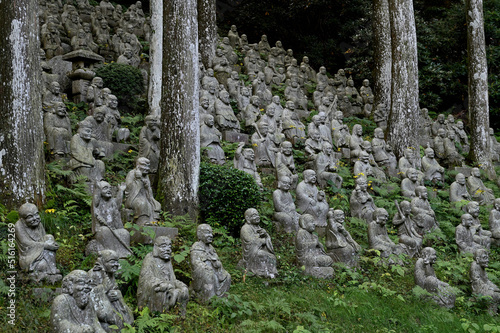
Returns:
(382,52)
(403,116)
(180,141)
(207,31)
(478,87)
(156,56)
(21,129)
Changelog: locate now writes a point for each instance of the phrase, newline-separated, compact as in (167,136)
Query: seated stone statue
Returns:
(380,115)
(410,183)
(107,224)
(313,145)
(139,194)
(365,91)
(258,251)
(438,124)
(251,113)
(426,278)
(422,214)
(494,144)
(478,191)
(341,136)
(158,289)
(480,235)
(285,213)
(310,252)
(37,250)
(458,189)
(378,239)
(52,96)
(149,142)
(224,114)
(431,168)
(244,160)
(410,160)
(285,164)
(293,128)
(409,238)
(339,243)
(362,166)
(84,153)
(307,193)
(210,138)
(73,310)
(209,277)
(356,140)
(234,38)
(113,118)
(361,202)
(464,235)
(107,298)
(58,130)
(494,222)
(325,165)
(481,284)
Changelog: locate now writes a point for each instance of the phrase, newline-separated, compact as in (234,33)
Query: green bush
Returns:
(225,193)
(125,83)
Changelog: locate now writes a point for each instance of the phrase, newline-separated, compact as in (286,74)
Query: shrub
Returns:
(225,193)
(125,83)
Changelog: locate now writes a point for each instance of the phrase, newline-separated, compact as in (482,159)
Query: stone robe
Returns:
(148,147)
(258,251)
(312,255)
(58,132)
(139,198)
(210,138)
(340,245)
(67,317)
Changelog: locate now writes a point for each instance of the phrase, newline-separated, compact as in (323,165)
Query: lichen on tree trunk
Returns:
(403,115)
(180,140)
(156,56)
(382,52)
(21,129)
(207,30)
(478,87)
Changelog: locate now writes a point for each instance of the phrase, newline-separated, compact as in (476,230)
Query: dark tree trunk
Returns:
(207,30)
(180,142)
(404,117)
(21,129)
(478,87)
(382,52)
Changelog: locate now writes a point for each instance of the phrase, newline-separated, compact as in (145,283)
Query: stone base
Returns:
(235,137)
(466,171)
(139,238)
(320,272)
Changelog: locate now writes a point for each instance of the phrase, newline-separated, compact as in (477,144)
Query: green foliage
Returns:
(125,82)
(225,193)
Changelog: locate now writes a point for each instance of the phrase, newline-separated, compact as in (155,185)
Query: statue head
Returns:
(162,248)
(290,105)
(429,153)
(204,233)
(429,255)
(337,215)
(60,109)
(209,120)
(450,119)
(255,100)
(467,220)
(364,157)
(55,88)
(441,118)
(289,52)
(249,154)
(357,130)
(325,100)
(152,122)
(378,133)
(472,208)
(224,96)
(381,216)
(99,115)
(460,125)
(143,165)
(361,183)
(496,203)
(408,153)
(366,83)
(316,120)
(327,148)
(112,101)
(366,146)
(405,207)
(305,59)
(28,213)
(284,183)
(98,82)
(412,174)
(286,148)
(482,257)
(77,285)
(309,176)
(108,260)
(307,222)
(263,38)
(460,178)
(476,172)
(252,216)
(233,28)
(271,110)
(322,70)
(421,192)
(442,132)
(85,130)
(105,189)
(340,116)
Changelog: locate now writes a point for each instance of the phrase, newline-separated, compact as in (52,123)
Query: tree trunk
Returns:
(21,129)
(207,31)
(403,116)
(478,87)
(382,52)
(156,56)
(180,142)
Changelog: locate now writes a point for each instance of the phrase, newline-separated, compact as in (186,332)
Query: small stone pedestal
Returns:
(466,171)
(235,137)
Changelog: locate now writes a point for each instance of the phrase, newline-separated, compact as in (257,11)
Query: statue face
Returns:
(56,89)
(483,259)
(441,118)
(113,103)
(339,217)
(209,121)
(61,110)
(467,221)
(429,153)
(497,204)
(364,158)
(81,291)
(310,177)
(205,235)
(99,117)
(164,249)
(413,176)
(111,265)
(287,148)
(309,224)
(253,217)
(285,184)
(224,97)
(106,191)
(32,220)
(233,28)
(144,168)
(423,194)
(290,105)
(366,83)
(476,173)
(460,179)
(473,210)
(359,131)
(442,133)
(205,103)
(430,258)
(249,154)
(382,218)
(86,133)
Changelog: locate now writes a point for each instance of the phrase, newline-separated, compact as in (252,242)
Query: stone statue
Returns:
(149,142)
(368,107)
(425,127)
(307,193)
(313,145)
(258,251)
(481,284)
(431,168)
(409,238)
(494,145)
(285,165)
(325,165)
(380,116)
(263,145)
(341,136)
(51,41)
(292,127)
(94,93)
(494,223)
(310,252)
(73,310)
(251,113)
(37,250)
(425,277)
(361,202)
(52,96)
(383,154)
(209,277)
(210,138)
(158,289)
(365,91)
(410,183)
(243,98)
(285,213)
(311,73)
(321,77)
(378,239)
(234,38)
(439,123)
(410,159)
(107,299)
(264,46)
(234,85)
(422,213)
(224,114)
(139,194)
(362,166)
(482,237)
(445,149)
(458,189)
(107,224)
(339,243)
(84,153)
(58,130)
(113,118)
(479,192)
(244,160)
(464,236)
(355,141)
